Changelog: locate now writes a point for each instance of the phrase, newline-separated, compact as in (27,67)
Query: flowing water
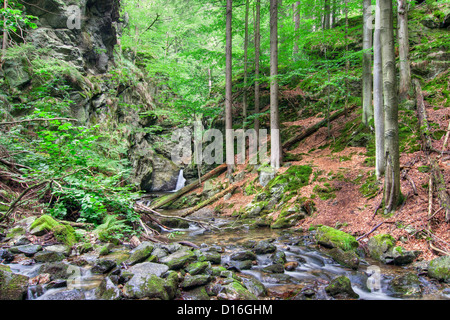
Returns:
(314,269)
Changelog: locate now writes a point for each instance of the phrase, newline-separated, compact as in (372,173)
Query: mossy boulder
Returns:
(45,224)
(439,268)
(141,252)
(380,244)
(146,287)
(382,248)
(178,259)
(48,256)
(341,288)
(190,281)
(333,238)
(108,290)
(407,285)
(197,267)
(235,291)
(12,286)
(347,259)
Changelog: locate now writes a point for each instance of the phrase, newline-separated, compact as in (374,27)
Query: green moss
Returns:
(333,238)
(370,187)
(294,178)
(325,192)
(63,233)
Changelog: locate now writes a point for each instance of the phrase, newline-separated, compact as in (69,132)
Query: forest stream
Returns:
(310,271)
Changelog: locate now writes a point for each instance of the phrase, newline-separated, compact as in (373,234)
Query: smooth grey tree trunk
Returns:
(229,141)
(257,54)
(403,49)
(367,62)
(392,172)
(275,139)
(245,99)
(296,13)
(378,106)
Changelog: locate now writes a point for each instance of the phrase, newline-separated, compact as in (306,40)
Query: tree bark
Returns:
(403,49)
(275,139)
(392,178)
(367,61)
(326,15)
(257,54)
(245,100)
(296,13)
(5,34)
(228,90)
(378,98)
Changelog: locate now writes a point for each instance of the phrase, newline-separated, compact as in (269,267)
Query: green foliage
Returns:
(112,229)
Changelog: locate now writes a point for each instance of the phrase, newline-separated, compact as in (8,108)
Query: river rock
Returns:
(6,256)
(103,266)
(243,255)
(255,286)
(264,247)
(274,268)
(439,268)
(59,248)
(333,238)
(74,294)
(141,252)
(407,285)
(146,285)
(235,291)
(196,268)
(29,250)
(341,288)
(291,265)
(48,256)
(345,258)
(382,248)
(178,259)
(57,270)
(279,257)
(195,281)
(108,290)
(12,286)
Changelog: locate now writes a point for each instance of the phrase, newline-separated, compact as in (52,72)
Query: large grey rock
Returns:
(12,286)
(178,259)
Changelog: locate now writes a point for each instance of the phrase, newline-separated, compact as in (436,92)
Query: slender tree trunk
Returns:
(378,97)
(228,91)
(403,49)
(347,61)
(275,139)
(392,172)
(367,62)
(245,99)
(326,15)
(296,13)
(257,54)
(5,34)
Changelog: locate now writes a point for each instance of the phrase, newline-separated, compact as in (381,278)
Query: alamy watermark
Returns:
(74,17)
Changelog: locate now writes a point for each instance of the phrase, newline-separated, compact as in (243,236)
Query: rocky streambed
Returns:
(242,264)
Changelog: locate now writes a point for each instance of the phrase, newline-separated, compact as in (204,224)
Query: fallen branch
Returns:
(36,120)
(169,198)
(210,200)
(312,129)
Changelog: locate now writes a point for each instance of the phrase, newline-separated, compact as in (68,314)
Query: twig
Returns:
(36,120)
(371,231)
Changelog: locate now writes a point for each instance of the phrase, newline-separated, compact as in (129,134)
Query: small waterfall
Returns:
(180,182)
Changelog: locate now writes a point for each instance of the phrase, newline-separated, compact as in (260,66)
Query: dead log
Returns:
(312,129)
(210,200)
(171,197)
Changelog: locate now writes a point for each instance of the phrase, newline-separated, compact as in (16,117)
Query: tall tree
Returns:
(5,33)
(245,100)
(392,172)
(378,107)
(367,62)
(403,49)
(229,139)
(275,139)
(296,14)
(257,54)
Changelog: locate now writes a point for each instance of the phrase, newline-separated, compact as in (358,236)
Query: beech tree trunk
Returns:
(367,61)
(257,54)
(392,172)
(403,49)
(296,13)
(275,139)
(245,100)
(378,107)
(228,91)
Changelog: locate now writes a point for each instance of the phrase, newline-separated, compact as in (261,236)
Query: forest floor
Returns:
(350,210)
